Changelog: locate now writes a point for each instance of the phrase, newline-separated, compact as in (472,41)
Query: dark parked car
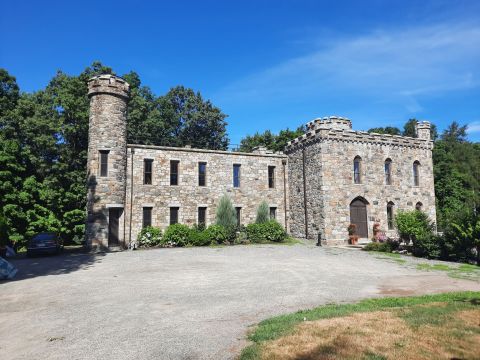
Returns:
(44,243)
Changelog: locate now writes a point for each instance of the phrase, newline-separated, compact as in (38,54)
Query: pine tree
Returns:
(226,215)
(262,213)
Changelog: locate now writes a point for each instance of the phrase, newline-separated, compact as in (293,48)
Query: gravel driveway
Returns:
(194,303)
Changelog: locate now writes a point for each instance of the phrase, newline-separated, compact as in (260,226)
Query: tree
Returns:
(269,140)
(226,214)
(262,213)
(385,130)
(409,129)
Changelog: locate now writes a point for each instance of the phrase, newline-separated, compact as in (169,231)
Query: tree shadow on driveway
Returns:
(68,261)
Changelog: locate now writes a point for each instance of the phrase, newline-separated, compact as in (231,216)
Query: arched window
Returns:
(418,206)
(416,173)
(357,168)
(388,172)
(390,215)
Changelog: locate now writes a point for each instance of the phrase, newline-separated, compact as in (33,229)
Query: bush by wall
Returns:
(264,232)
(177,235)
(263,214)
(149,236)
(378,246)
(199,238)
(217,234)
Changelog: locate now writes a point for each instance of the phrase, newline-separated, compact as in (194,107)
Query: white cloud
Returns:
(399,66)
(473,127)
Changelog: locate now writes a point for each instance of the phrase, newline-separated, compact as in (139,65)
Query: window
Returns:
(271,177)
(416,175)
(390,215)
(104,163)
(418,206)
(236,175)
(202,216)
(147,171)
(174,172)
(388,172)
(147,216)
(357,169)
(273,213)
(202,174)
(174,215)
(239,215)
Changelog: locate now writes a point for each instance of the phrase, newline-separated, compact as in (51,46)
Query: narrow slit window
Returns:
(104,163)
(147,216)
(416,173)
(273,213)
(236,175)
(418,206)
(390,215)
(174,215)
(202,216)
(202,174)
(357,166)
(174,172)
(388,172)
(147,171)
(271,177)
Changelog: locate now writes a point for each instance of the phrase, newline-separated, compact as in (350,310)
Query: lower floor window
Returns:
(239,215)
(273,213)
(390,215)
(174,215)
(147,216)
(202,216)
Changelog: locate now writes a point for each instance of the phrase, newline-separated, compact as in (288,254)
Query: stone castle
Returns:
(328,178)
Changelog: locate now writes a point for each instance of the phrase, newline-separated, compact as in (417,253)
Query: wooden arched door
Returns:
(358,216)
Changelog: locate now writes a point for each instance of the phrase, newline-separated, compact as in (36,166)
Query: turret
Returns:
(330,122)
(422,128)
(107,161)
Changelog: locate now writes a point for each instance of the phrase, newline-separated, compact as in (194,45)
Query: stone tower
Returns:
(107,161)
(422,129)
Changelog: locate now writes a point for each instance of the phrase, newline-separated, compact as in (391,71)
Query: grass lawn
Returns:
(443,326)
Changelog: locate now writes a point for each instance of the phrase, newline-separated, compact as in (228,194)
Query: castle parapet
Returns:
(330,122)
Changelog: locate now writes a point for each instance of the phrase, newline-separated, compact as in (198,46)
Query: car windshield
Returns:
(44,237)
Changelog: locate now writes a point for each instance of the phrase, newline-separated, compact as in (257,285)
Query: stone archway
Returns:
(358,216)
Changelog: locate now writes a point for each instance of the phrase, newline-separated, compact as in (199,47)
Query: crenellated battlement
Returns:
(108,84)
(330,122)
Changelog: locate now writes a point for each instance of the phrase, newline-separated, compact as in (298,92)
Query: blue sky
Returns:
(267,64)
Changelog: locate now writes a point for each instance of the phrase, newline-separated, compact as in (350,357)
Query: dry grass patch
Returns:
(383,335)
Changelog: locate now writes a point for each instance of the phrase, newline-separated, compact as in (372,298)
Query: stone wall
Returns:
(330,185)
(188,195)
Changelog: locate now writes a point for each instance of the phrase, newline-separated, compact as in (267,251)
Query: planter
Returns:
(353,239)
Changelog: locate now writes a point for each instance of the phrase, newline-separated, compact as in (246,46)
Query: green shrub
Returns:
(177,235)
(226,215)
(149,236)
(263,214)
(413,224)
(217,234)
(378,246)
(461,241)
(199,238)
(264,232)
(428,245)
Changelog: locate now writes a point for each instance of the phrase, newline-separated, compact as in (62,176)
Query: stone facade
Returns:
(326,155)
(313,188)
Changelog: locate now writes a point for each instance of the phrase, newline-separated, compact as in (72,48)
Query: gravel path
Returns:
(194,303)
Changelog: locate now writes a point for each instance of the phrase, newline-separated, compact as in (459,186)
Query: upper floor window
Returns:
(202,174)
(271,177)
(147,171)
(416,173)
(174,172)
(357,167)
(390,215)
(104,162)
(236,175)
(147,216)
(388,172)
(418,206)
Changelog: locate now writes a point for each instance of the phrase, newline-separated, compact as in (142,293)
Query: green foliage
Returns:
(269,140)
(462,238)
(177,235)
(378,246)
(200,238)
(226,215)
(3,232)
(428,245)
(385,130)
(413,224)
(217,234)
(263,213)
(265,232)
(149,236)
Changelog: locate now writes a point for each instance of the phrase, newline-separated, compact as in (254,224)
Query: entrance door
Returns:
(113,220)
(358,216)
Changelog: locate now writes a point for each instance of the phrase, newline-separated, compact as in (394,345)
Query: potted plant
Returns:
(376,232)
(352,234)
